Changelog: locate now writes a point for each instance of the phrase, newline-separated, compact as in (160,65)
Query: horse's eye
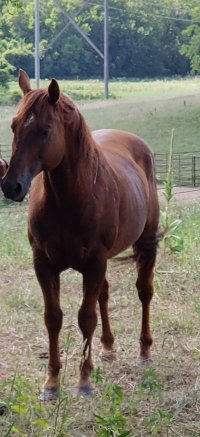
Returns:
(43,132)
(13,127)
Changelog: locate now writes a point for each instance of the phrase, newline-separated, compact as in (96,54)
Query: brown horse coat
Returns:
(94,194)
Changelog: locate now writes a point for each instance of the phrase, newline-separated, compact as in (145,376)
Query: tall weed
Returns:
(172,240)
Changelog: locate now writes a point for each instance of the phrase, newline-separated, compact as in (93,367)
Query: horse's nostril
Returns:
(18,188)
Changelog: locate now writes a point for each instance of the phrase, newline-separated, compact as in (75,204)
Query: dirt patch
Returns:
(182,194)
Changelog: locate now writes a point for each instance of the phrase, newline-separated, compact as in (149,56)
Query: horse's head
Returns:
(39,136)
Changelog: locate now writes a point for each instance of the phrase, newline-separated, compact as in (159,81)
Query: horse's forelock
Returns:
(36,102)
(28,103)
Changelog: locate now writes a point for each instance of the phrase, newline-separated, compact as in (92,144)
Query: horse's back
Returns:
(121,140)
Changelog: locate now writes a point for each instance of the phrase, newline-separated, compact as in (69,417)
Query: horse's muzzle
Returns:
(13,189)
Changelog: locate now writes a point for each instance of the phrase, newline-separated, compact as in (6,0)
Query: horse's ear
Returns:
(24,81)
(54,91)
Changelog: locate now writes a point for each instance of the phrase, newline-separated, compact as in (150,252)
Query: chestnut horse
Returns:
(94,194)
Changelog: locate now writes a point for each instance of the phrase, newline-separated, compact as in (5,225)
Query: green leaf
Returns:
(124,433)
(17,431)
(42,423)
(19,409)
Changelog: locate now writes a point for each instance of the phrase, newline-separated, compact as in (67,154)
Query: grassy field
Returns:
(149,109)
(94,89)
(160,399)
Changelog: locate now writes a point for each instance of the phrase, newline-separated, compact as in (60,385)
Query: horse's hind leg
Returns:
(145,251)
(107,339)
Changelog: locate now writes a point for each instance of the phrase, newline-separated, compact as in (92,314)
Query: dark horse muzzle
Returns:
(15,188)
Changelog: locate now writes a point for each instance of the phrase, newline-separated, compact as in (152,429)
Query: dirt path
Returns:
(182,194)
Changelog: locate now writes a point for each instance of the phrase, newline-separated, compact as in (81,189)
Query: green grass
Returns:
(13,239)
(149,109)
(153,121)
(163,399)
(94,89)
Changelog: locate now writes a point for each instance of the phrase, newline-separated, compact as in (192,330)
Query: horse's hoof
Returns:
(3,408)
(49,394)
(108,356)
(142,361)
(87,391)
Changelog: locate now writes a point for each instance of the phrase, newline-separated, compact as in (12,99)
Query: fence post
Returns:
(166,164)
(194,171)
(179,168)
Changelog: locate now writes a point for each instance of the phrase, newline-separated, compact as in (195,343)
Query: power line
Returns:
(138,13)
(160,5)
(174,18)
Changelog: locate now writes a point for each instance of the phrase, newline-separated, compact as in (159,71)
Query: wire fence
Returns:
(185,166)
(5,151)
(186,172)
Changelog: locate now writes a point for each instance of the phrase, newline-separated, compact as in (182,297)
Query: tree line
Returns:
(147,39)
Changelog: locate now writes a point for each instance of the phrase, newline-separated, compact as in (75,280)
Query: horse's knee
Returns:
(104,290)
(87,321)
(104,296)
(53,319)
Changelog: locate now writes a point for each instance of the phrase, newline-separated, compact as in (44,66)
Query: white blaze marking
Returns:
(29,120)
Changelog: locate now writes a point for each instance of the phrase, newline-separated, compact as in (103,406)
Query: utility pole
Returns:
(37,43)
(79,30)
(106,50)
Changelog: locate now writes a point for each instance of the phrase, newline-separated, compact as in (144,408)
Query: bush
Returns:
(15,97)
(4,78)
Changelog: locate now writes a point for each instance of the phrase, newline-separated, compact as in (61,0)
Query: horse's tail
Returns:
(132,256)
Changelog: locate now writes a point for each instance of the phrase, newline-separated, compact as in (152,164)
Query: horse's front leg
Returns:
(50,284)
(93,278)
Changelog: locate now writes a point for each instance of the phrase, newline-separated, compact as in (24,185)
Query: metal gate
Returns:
(185,167)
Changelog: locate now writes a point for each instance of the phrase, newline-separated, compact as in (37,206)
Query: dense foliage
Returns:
(146,39)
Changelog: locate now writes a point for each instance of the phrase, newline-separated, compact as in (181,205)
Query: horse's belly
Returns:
(133,215)
(127,237)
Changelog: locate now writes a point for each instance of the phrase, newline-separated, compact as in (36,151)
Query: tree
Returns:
(191,46)
(146,38)
(15,3)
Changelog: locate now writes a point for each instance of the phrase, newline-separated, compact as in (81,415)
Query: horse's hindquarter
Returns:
(132,186)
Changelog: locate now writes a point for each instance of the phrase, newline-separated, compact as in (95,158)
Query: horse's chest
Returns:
(62,247)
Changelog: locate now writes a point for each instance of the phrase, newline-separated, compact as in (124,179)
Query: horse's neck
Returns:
(74,178)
